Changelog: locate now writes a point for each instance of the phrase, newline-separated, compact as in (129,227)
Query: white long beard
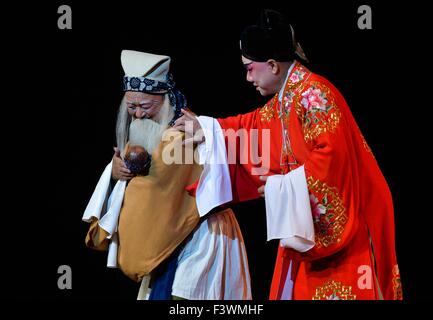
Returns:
(148,132)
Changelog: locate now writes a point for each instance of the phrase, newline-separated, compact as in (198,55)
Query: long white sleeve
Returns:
(288,210)
(107,211)
(214,187)
(97,201)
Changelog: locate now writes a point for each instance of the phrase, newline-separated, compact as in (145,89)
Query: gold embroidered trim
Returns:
(333,290)
(267,113)
(366,146)
(331,224)
(396,283)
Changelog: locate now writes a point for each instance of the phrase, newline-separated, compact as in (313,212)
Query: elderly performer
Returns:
(145,213)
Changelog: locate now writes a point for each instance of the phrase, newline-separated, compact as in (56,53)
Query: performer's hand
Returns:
(261,190)
(120,171)
(189,124)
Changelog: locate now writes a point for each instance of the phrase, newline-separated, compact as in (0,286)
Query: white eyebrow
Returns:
(141,102)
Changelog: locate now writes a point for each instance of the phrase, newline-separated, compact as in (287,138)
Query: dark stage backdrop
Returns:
(65,89)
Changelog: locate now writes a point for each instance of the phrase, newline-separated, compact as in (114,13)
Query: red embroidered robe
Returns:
(354,255)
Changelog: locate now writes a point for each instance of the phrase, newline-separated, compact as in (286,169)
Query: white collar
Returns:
(280,95)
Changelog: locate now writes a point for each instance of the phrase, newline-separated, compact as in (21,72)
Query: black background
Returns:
(63,89)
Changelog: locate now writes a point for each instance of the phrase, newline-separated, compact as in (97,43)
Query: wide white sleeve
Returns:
(97,202)
(107,211)
(214,187)
(288,210)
